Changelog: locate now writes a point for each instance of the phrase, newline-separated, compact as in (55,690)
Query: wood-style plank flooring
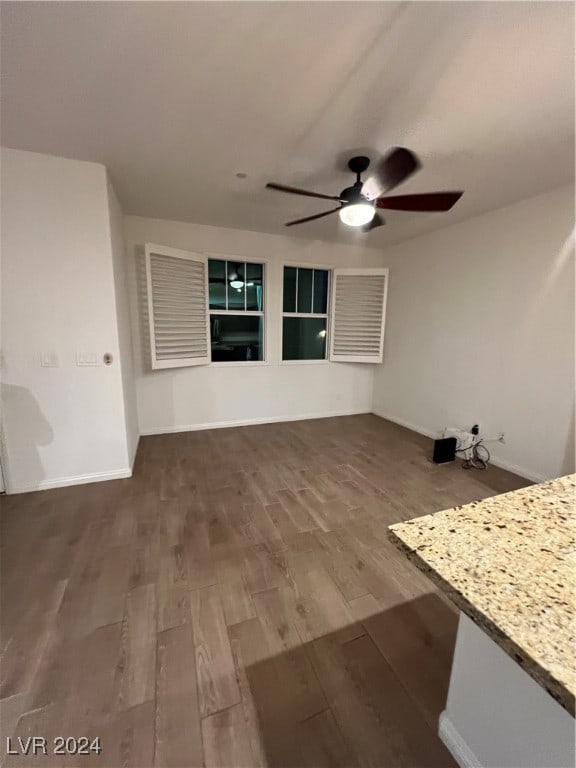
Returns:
(235,603)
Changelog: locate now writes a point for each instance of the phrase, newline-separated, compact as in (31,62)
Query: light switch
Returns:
(49,360)
(87,358)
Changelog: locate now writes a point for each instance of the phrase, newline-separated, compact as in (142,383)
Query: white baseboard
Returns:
(509,467)
(516,470)
(407,424)
(61,482)
(458,748)
(246,422)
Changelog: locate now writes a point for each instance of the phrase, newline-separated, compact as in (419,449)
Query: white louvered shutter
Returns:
(177,286)
(358,314)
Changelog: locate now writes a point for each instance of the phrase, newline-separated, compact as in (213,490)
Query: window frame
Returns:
(246,312)
(329,270)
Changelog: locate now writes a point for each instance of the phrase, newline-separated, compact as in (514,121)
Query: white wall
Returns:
(497,714)
(480,329)
(62,424)
(227,393)
(121,292)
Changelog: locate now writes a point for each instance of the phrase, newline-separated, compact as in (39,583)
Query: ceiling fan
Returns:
(357,206)
(236,280)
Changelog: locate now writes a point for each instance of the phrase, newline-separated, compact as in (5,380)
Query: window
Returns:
(305,313)
(236,301)
(201,310)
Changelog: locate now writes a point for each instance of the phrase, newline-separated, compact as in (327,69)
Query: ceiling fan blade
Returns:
(296,191)
(395,167)
(311,218)
(433,201)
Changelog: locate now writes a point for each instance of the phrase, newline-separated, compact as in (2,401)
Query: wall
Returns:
(121,293)
(480,329)
(61,424)
(226,393)
(497,714)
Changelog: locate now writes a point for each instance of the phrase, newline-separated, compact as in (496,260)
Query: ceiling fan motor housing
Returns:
(354,194)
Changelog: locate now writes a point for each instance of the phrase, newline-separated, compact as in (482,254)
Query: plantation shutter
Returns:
(177,287)
(358,314)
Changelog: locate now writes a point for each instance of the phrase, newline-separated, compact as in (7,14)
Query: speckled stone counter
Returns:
(509,563)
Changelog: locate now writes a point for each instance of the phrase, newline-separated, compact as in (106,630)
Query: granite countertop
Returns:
(509,562)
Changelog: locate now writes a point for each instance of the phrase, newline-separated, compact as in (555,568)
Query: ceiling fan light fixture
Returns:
(357,214)
(237,284)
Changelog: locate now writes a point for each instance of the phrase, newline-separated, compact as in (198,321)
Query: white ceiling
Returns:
(177,97)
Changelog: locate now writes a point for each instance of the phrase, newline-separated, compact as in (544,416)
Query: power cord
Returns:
(479,458)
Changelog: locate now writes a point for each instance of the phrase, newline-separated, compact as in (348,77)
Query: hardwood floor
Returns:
(235,603)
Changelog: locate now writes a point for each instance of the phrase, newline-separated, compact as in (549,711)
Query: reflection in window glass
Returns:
(304,290)
(254,287)
(217,284)
(305,294)
(236,292)
(290,289)
(236,285)
(304,338)
(320,291)
(236,337)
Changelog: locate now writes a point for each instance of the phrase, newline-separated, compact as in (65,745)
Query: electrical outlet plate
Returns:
(49,360)
(86,358)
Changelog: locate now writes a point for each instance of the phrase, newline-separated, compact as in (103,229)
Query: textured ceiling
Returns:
(176,98)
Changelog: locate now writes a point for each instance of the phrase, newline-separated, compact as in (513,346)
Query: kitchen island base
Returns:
(497,715)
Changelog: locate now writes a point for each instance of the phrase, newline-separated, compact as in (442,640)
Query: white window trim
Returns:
(254,313)
(238,364)
(242,312)
(305,314)
(305,362)
(325,268)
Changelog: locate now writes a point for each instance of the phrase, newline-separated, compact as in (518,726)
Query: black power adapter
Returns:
(444,450)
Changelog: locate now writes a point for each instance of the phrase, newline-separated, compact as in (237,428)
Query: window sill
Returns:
(304,362)
(238,364)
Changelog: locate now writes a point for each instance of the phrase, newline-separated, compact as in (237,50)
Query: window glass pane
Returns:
(304,290)
(304,338)
(217,283)
(254,287)
(236,284)
(290,289)
(236,337)
(320,291)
